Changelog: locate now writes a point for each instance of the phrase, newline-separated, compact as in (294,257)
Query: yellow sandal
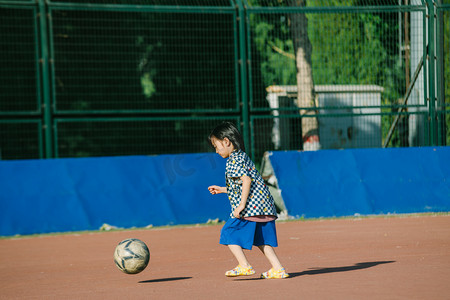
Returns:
(271,274)
(240,271)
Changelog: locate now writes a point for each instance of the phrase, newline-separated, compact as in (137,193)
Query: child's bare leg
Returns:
(269,252)
(240,255)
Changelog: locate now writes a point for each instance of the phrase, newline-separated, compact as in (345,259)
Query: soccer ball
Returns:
(131,256)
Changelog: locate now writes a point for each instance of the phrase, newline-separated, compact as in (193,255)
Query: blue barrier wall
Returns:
(39,196)
(364,181)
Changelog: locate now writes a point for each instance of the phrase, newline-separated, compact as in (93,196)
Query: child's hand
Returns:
(237,211)
(214,189)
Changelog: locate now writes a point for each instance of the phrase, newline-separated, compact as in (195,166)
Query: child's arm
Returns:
(214,189)
(246,183)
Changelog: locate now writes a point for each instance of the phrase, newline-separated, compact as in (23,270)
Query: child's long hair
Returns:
(228,130)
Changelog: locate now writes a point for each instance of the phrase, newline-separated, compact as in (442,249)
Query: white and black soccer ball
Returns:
(131,256)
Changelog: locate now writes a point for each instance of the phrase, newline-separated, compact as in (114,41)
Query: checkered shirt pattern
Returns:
(260,201)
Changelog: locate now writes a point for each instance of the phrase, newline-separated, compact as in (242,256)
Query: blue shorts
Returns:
(247,233)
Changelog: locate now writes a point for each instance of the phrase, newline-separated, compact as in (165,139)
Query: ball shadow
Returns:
(164,279)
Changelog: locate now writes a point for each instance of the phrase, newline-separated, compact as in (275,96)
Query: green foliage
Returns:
(360,48)
(275,49)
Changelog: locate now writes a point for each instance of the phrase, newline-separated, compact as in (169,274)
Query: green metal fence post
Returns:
(44,61)
(441,126)
(431,73)
(243,67)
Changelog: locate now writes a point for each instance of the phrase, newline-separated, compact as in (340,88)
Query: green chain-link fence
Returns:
(443,71)
(364,61)
(100,78)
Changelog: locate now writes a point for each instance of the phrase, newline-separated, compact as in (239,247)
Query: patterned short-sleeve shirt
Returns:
(259,202)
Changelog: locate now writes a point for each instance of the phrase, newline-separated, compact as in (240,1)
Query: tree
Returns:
(305,82)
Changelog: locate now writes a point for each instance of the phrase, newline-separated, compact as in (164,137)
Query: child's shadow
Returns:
(316,271)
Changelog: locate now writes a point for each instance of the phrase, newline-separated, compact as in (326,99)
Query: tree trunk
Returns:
(305,82)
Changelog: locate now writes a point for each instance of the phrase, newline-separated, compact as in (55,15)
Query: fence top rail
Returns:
(143,119)
(171,3)
(330,3)
(149,6)
(445,6)
(344,88)
(336,9)
(17,4)
(20,121)
(142,8)
(252,5)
